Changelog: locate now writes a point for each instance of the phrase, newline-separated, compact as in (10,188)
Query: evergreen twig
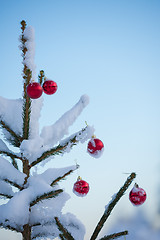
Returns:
(114,235)
(6,195)
(15,139)
(13,184)
(41,77)
(10,227)
(71,141)
(61,237)
(51,194)
(111,205)
(62,229)
(11,155)
(27,74)
(14,163)
(54,151)
(62,177)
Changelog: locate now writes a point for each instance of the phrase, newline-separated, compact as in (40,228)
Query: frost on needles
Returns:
(34,202)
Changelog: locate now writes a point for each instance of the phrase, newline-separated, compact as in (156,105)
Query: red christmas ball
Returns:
(49,87)
(95,147)
(137,195)
(34,90)
(81,188)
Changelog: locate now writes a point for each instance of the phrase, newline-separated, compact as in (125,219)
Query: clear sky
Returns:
(110,50)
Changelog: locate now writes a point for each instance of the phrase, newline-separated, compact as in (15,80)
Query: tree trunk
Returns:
(26,232)
(26,228)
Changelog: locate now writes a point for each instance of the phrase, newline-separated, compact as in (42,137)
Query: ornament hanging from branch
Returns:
(137,195)
(95,147)
(81,187)
(49,87)
(34,90)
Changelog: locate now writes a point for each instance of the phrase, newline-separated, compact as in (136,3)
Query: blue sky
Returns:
(109,50)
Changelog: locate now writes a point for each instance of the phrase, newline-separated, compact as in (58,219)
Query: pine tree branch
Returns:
(43,235)
(14,163)
(13,184)
(111,205)
(54,151)
(15,139)
(60,178)
(61,237)
(45,196)
(11,155)
(27,74)
(41,77)
(23,25)
(64,231)
(114,235)
(70,142)
(5,226)
(6,195)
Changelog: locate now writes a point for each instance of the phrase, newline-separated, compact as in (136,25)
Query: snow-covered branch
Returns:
(62,229)
(10,135)
(10,174)
(10,154)
(65,145)
(6,120)
(62,177)
(7,226)
(114,235)
(29,36)
(111,205)
(45,196)
(6,151)
(6,189)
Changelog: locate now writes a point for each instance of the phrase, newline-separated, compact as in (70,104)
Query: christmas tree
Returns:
(34,201)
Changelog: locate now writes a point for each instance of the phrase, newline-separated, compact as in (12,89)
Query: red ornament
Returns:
(137,195)
(49,87)
(81,188)
(95,147)
(34,90)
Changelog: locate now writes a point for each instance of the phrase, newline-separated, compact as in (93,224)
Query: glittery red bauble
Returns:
(137,195)
(49,87)
(81,188)
(95,147)
(34,90)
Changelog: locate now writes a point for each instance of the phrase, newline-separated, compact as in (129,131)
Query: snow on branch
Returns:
(65,226)
(53,175)
(43,212)
(3,146)
(6,189)
(54,133)
(62,229)
(36,107)
(63,176)
(10,174)
(45,196)
(28,43)
(64,146)
(47,231)
(5,151)
(73,226)
(11,116)
(9,227)
(17,210)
